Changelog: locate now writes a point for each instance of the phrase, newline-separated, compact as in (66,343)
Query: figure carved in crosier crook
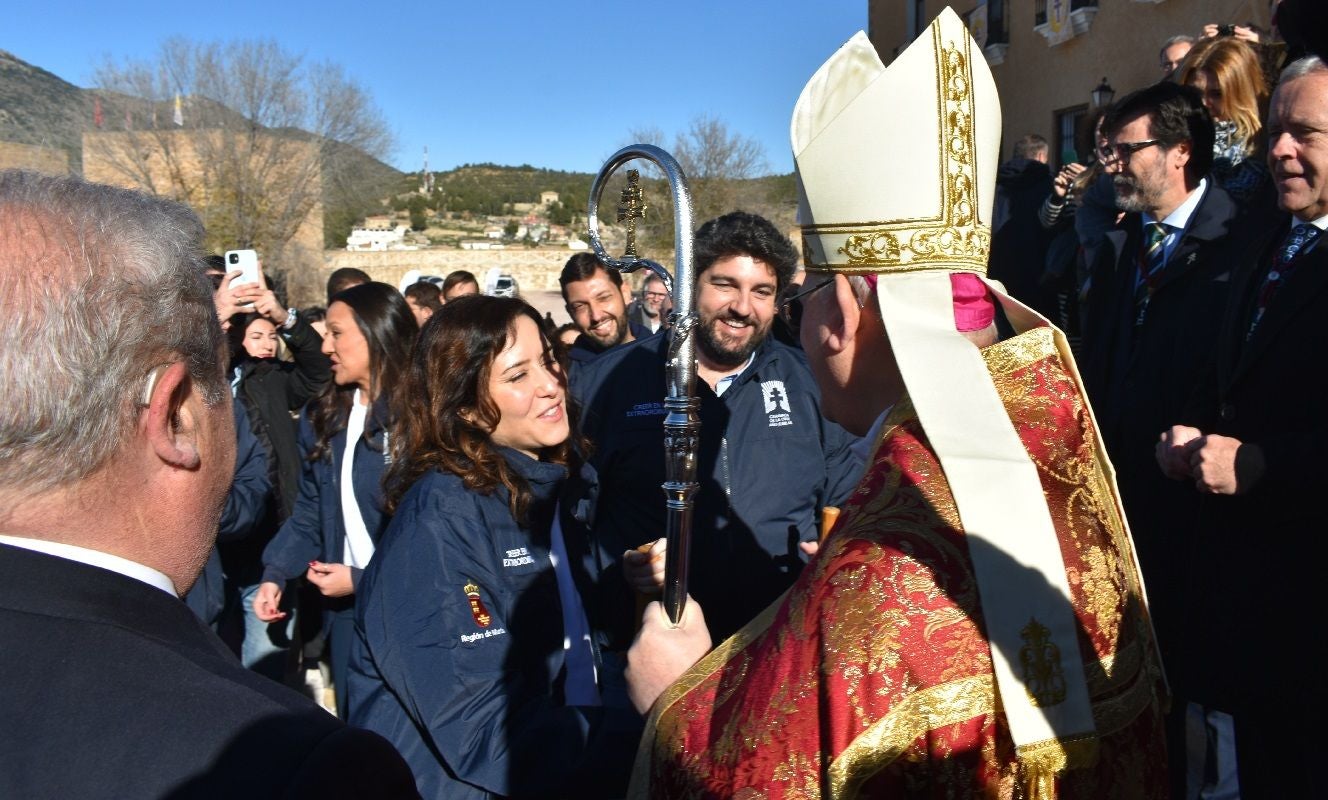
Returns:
(682,424)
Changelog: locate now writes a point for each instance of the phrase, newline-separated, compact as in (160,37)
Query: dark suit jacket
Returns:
(1270,392)
(114,689)
(1253,618)
(1140,387)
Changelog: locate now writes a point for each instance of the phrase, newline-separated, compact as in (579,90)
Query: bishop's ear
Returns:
(843,315)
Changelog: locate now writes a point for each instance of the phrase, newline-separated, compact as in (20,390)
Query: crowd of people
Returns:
(1163,255)
(922,534)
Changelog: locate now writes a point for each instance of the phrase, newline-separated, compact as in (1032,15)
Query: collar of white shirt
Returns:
(722,385)
(96,558)
(1180,218)
(1321,223)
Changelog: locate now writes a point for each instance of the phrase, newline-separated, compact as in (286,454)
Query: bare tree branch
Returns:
(266,141)
(716,162)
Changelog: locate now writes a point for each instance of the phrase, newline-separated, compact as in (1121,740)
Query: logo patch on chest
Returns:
(777,409)
(517,557)
(477,609)
(655,409)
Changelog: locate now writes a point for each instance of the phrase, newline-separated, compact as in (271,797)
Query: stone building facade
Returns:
(1045,76)
(49,160)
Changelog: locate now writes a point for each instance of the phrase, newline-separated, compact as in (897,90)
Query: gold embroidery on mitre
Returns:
(953,241)
(1040,660)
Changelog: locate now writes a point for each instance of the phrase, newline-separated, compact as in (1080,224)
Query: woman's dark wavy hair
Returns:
(235,336)
(389,327)
(444,415)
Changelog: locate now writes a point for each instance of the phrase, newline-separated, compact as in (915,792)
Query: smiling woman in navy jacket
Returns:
(473,655)
(338,518)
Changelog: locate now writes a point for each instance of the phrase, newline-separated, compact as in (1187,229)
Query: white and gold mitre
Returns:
(897,167)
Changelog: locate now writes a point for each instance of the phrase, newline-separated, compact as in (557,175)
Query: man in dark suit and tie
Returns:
(116,452)
(1253,446)
(1159,289)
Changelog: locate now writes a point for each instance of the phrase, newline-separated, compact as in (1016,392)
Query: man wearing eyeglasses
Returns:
(649,311)
(1173,52)
(1159,287)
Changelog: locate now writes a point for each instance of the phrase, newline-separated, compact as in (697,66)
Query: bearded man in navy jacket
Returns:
(768,461)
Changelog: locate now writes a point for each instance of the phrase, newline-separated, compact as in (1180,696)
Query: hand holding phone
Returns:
(246,261)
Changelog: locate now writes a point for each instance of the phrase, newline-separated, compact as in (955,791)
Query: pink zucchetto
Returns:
(974,308)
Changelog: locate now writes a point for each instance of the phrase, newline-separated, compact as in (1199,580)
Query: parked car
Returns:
(500,284)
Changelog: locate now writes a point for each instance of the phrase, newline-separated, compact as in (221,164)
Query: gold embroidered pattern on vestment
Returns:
(890,737)
(1040,660)
(896,568)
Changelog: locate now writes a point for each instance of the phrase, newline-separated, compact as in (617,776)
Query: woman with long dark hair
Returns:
(269,389)
(474,655)
(339,517)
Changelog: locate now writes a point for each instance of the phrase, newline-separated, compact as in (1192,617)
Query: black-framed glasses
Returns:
(791,307)
(1109,153)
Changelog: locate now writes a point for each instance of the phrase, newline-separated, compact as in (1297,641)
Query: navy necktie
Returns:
(1152,262)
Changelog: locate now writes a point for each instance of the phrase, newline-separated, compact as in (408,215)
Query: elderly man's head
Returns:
(1173,53)
(841,330)
(1297,150)
(653,295)
(115,400)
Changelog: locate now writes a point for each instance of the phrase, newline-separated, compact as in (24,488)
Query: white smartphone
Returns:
(246,261)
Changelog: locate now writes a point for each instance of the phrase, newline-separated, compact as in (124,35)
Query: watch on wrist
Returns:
(291,316)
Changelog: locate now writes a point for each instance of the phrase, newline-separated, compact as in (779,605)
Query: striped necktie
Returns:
(1154,258)
(1283,264)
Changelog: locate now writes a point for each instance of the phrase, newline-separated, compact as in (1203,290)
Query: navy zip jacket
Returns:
(246,504)
(585,349)
(315,529)
(458,659)
(768,462)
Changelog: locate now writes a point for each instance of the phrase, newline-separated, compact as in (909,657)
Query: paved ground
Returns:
(548,302)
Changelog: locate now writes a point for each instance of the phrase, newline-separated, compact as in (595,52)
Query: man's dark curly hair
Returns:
(742,234)
(1175,114)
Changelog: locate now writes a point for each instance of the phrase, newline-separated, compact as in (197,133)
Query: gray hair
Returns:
(1179,38)
(98,287)
(1301,67)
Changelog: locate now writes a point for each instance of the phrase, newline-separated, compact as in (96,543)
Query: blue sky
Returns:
(553,84)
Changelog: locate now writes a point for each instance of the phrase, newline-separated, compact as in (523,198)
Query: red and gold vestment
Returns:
(872,676)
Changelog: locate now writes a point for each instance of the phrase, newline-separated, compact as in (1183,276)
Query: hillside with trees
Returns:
(479,191)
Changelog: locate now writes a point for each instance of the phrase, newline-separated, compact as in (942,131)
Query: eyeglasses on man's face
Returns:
(1110,153)
(791,307)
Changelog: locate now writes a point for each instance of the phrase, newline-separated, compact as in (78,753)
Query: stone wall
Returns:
(536,270)
(29,156)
